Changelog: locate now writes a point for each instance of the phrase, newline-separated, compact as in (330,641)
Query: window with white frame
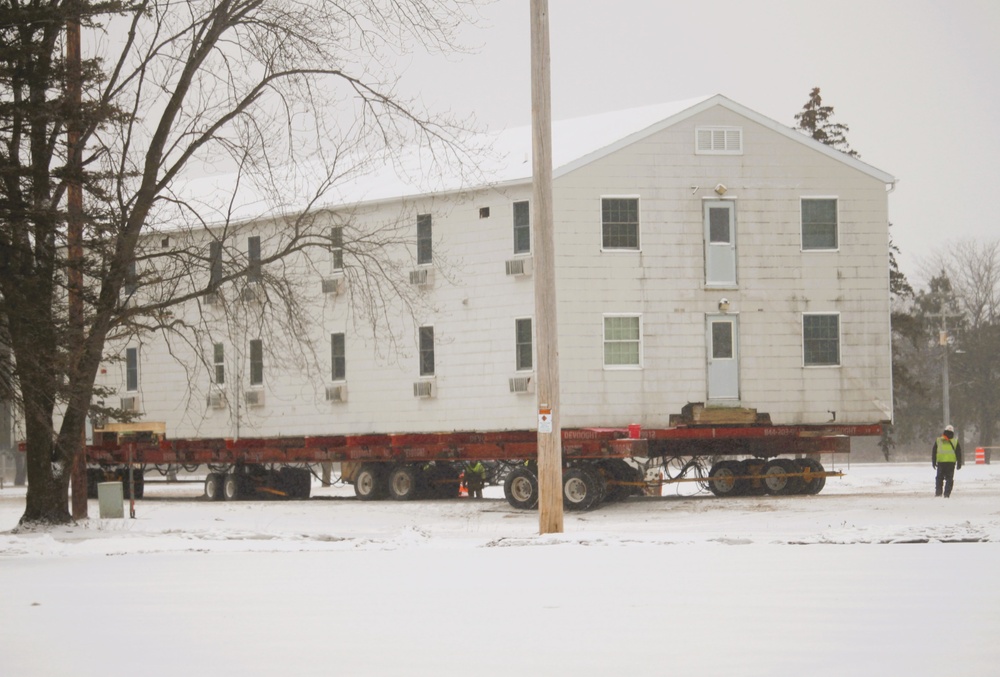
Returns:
(819,223)
(219,362)
(256,362)
(338,357)
(523,344)
(254,272)
(522,228)
(718,141)
(425,250)
(426,339)
(132,370)
(337,248)
(214,264)
(821,339)
(131,279)
(622,340)
(620,223)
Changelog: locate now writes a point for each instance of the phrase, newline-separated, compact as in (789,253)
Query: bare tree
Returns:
(973,270)
(295,97)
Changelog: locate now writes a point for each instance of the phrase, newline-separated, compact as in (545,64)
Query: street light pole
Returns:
(945,378)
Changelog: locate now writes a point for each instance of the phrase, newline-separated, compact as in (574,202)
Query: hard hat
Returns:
(949,429)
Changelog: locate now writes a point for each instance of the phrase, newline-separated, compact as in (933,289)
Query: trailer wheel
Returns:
(138,479)
(213,486)
(404,483)
(621,475)
(442,480)
(583,488)
(94,477)
(231,487)
(753,466)
(369,483)
(775,479)
(296,482)
(815,484)
(521,488)
(724,479)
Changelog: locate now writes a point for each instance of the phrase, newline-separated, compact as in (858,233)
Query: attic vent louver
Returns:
(719,140)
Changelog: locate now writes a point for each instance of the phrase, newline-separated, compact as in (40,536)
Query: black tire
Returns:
(623,479)
(749,468)
(521,488)
(813,485)
(138,480)
(295,482)
(776,482)
(213,486)
(724,479)
(600,483)
(231,489)
(404,482)
(370,483)
(442,480)
(583,488)
(94,477)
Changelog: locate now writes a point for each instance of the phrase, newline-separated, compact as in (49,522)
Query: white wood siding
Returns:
(472,305)
(777,280)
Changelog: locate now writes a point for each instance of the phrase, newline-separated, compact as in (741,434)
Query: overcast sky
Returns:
(917,81)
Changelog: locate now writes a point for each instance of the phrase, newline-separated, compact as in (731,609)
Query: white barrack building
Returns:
(705,253)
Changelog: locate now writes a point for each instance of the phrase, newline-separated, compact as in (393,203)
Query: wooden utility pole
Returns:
(550,491)
(74,236)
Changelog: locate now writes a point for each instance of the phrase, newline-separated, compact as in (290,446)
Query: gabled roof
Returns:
(662,116)
(575,143)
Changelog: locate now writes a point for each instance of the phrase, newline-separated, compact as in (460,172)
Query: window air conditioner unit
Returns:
(421,277)
(336,393)
(130,403)
(521,266)
(424,389)
(254,398)
(521,384)
(216,400)
(333,285)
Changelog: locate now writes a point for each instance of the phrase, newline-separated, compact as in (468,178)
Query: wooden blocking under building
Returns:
(696,413)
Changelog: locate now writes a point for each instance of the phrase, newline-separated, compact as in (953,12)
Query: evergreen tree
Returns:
(815,120)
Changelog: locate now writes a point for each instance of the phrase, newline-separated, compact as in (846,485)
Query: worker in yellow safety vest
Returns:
(475,479)
(945,456)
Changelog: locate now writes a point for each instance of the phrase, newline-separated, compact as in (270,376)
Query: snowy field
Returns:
(872,577)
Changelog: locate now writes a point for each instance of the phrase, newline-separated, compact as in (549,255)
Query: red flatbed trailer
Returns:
(599,463)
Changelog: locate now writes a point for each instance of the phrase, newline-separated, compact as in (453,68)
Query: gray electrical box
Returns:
(111,498)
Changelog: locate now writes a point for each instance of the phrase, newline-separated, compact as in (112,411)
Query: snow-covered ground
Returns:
(872,577)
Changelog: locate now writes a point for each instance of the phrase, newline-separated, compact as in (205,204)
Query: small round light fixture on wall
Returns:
(721,189)
(724,305)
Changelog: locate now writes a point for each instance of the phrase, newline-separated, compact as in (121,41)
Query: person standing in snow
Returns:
(475,479)
(946,454)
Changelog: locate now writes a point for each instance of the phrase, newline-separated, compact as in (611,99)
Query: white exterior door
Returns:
(723,358)
(720,243)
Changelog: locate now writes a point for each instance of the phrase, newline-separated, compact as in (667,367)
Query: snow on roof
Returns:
(502,157)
